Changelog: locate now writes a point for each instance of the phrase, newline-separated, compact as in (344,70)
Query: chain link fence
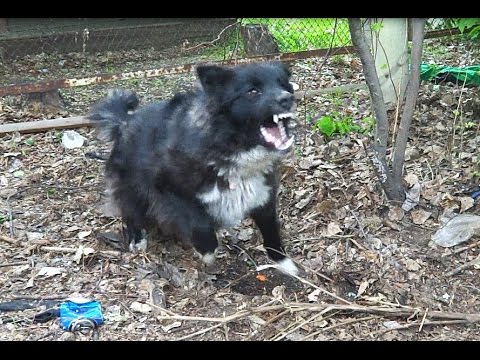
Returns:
(43,49)
(21,37)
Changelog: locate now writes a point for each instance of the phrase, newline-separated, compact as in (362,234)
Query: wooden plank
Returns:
(80,121)
(45,125)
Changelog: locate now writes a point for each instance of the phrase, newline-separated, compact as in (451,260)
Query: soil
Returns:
(370,270)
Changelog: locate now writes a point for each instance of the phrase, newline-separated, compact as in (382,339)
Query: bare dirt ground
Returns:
(371,271)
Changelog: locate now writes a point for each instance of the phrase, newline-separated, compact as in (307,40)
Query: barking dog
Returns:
(204,159)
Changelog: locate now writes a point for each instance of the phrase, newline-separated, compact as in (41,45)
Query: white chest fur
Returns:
(231,205)
(247,188)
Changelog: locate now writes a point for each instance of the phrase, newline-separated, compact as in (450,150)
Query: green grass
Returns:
(335,123)
(298,34)
(291,34)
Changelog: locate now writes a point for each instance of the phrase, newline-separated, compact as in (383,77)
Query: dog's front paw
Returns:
(207,258)
(287,266)
(138,246)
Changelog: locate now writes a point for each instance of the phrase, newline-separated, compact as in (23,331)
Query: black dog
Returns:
(204,159)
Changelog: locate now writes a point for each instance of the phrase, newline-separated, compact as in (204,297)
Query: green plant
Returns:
(336,98)
(471,24)
(330,125)
(2,219)
(51,192)
(298,34)
(338,60)
(30,141)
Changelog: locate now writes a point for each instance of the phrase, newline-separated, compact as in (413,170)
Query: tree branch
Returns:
(418,28)
(371,77)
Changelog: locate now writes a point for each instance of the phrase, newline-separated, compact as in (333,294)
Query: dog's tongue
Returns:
(274,135)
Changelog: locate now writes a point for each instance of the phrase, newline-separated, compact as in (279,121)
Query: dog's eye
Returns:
(253,91)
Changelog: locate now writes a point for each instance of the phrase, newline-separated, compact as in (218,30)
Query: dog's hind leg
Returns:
(205,241)
(190,222)
(266,219)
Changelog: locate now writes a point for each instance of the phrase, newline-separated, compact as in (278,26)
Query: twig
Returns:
(454,126)
(18,263)
(72,251)
(406,326)
(303,323)
(10,218)
(304,94)
(348,322)
(200,332)
(214,40)
(242,250)
(423,320)
(307,283)
(50,333)
(360,226)
(462,249)
(295,307)
(9,240)
(472,263)
(171,313)
(327,55)
(41,298)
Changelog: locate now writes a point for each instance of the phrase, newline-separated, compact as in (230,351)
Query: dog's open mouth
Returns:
(274,131)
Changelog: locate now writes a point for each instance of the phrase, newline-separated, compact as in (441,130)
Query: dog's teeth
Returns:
(266,135)
(275,119)
(287,144)
(285,115)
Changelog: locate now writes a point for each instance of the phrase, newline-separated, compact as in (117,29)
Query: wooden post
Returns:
(389,45)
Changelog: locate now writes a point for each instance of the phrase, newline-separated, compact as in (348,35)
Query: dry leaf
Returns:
(304,202)
(395,213)
(173,325)
(82,251)
(245,234)
(48,271)
(363,286)
(261,277)
(84,234)
(313,296)
(333,229)
(412,265)
(419,216)
(466,202)
(140,307)
(411,179)
(412,197)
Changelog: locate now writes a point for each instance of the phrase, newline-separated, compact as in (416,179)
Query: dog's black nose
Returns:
(285,99)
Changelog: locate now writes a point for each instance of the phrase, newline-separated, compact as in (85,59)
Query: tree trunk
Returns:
(390,178)
(418,34)
(258,40)
(389,45)
(377,153)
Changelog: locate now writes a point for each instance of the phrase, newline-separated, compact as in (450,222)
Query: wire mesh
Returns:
(33,49)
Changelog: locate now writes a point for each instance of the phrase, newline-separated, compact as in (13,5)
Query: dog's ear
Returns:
(214,77)
(282,67)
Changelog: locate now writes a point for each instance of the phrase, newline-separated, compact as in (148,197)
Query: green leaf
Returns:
(30,141)
(376,26)
(19,173)
(326,125)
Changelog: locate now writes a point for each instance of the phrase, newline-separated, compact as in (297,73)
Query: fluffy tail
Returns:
(112,113)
